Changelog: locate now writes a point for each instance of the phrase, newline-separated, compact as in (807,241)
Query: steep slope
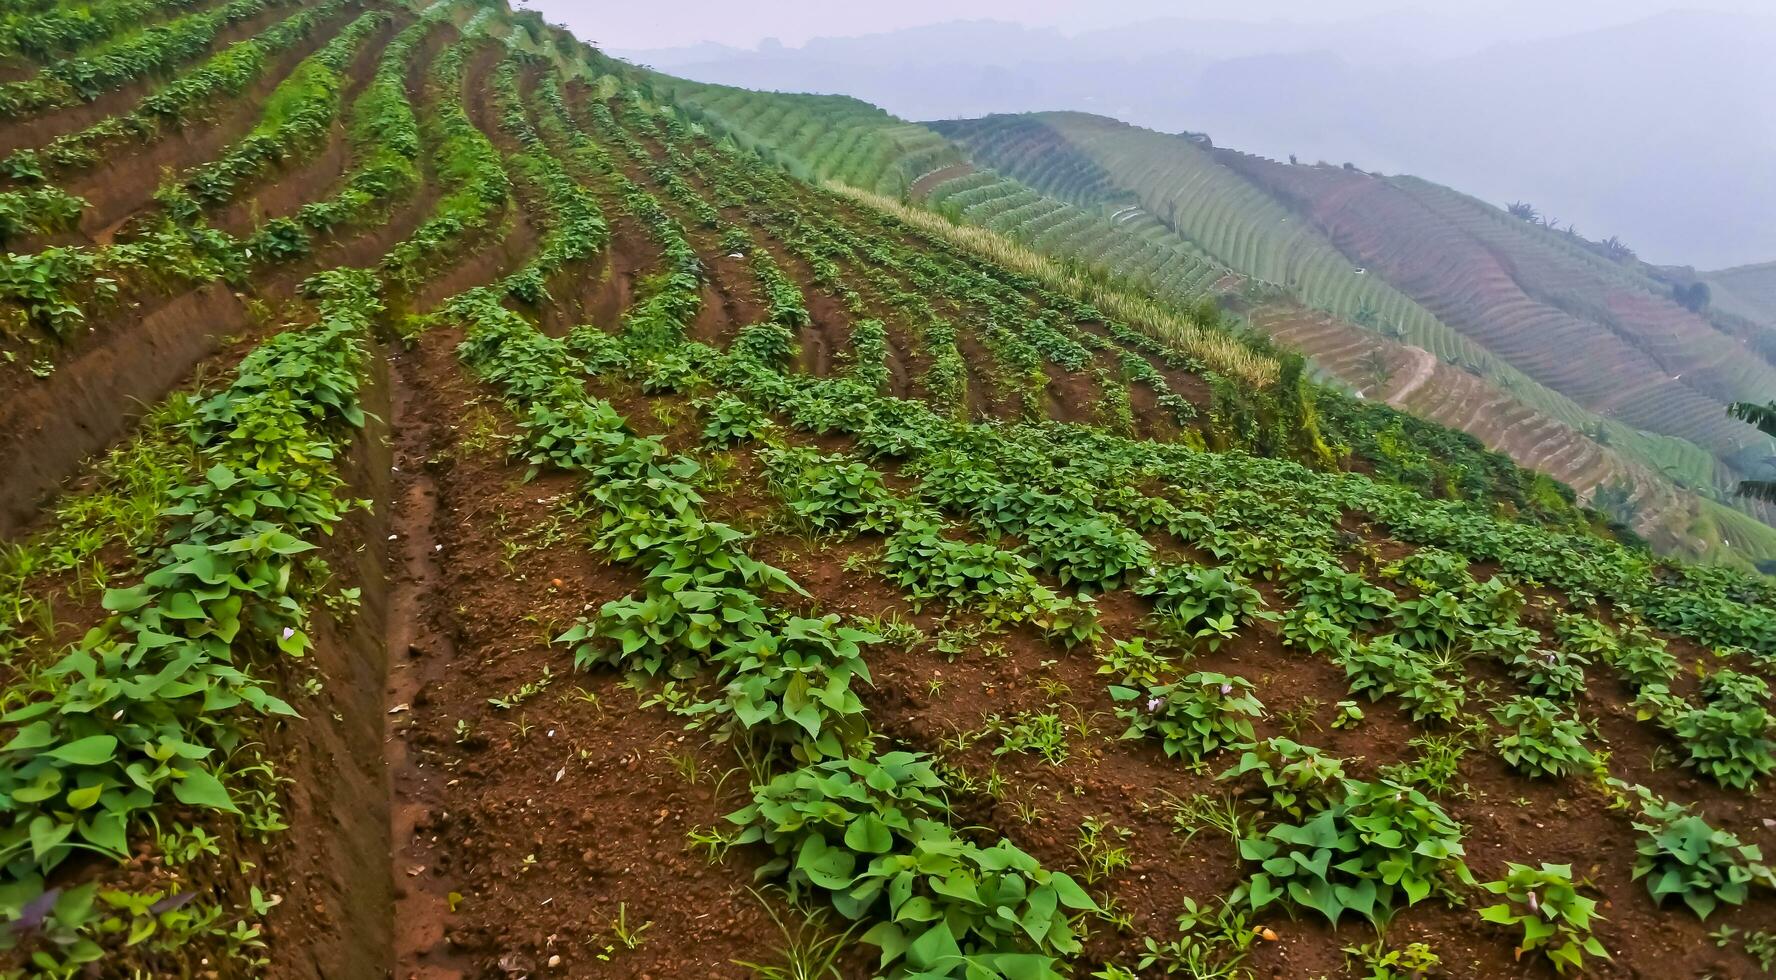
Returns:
(1748,291)
(1478,288)
(1083,219)
(568,544)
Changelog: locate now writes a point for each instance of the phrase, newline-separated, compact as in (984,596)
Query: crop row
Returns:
(139,55)
(64,31)
(828,409)
(294,122)
(763,657)
(152,708)
(61,287)
(198,91)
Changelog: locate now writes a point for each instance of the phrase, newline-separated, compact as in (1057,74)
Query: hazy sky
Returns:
(680,22)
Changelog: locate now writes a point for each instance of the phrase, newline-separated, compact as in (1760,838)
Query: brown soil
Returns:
(555,817)
(334,921)
(20,134)
(48,426)
(923,185)
(117,191)
(318,174)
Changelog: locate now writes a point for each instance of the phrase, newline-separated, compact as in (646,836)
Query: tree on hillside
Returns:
(1693,297)
(1615,249)
(1764,417)
(1523,209)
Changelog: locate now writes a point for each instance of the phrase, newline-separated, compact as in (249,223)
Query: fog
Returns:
(1623,118)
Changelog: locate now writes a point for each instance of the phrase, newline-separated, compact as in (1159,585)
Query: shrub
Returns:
(1681,855)
(1547,741)
(1554,917)
(1195,717)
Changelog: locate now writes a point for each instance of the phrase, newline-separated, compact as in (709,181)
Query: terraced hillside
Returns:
(472,519)
(1495,295)
(1748,291)
(1669,489)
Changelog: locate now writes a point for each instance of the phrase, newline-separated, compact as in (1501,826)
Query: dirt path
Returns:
(417,652)
(1424,364)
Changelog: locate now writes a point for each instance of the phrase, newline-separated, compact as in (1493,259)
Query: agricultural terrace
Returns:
(469,515)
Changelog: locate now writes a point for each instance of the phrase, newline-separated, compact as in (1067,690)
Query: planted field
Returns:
(478,519)
(1485,292)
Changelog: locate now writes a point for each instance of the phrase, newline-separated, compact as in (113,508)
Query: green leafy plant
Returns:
(1194,717)
(1356,848)
(1554,674)
(1730,738)
(1205,605)
(1412,961)
(1542,738)
(831,494)
(1556,920)
(865,834)
(1680,855)
(1382,667)
(731,421)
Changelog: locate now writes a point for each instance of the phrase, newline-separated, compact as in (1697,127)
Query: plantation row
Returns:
(131,57)
(1002,594)
(1513,307)
(794,475)
(1684,382)
(826,137)
(1026,146)
(1160,262)
(225,496)
(1337,289)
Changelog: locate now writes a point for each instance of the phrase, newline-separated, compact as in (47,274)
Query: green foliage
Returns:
(1196,716)
(38,211)
(469,170)
(1198,604)
(1556,920)
(794,685)
(1682,856)
(1042,733)
(1296,778)
(831,494)
(295,119)
(1554,674)
(867,834)
(136,714)
(1730,738)
(1383,667)
(1365,848)
(732,421)
(1542,738)
(1132,663)
(1343,598)
(130,56)
(998,583)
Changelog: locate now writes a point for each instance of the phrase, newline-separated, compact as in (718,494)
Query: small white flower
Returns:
(1153,704)
(288,632)
(1226,689)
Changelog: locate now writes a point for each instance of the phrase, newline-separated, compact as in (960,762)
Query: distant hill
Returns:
(1484,344)
(1660,135)
(1748,291)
